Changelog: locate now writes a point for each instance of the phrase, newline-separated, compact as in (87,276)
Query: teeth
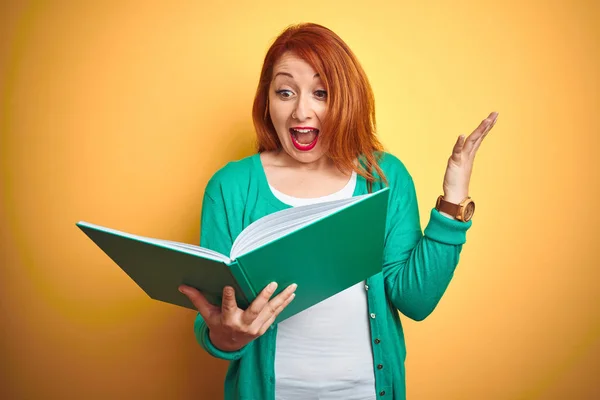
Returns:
(304,130)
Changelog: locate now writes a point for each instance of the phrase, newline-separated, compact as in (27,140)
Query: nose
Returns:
(302,109)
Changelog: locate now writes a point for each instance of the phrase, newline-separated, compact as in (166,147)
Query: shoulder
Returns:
(394,170)
(231,176)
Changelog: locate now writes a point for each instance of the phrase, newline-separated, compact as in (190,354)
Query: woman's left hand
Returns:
(460,163)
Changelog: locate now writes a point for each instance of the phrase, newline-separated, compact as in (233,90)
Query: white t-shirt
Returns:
(325,351)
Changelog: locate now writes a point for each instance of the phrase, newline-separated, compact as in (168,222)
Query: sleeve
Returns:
(214,235)
(418,267)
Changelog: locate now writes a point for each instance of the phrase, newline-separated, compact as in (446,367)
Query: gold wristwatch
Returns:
(462,212)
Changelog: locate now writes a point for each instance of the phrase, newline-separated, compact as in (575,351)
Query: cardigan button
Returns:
(366,287)
(380,366)
(382,393)
(377,341)
(373,315)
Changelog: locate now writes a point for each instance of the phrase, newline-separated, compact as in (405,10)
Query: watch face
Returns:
(469,211)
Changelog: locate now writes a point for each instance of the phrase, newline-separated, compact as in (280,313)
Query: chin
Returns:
(305,157)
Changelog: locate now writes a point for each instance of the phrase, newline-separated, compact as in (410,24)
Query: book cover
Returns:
(324,248)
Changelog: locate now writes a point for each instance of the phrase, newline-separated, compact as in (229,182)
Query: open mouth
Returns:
(304,139)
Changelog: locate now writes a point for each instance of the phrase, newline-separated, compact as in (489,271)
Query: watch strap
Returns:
(447,207)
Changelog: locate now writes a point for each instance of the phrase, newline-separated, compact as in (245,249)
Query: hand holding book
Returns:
(230,327)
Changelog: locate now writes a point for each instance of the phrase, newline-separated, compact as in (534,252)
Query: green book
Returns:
(324,248)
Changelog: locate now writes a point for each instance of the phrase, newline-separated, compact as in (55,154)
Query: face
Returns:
(297,105)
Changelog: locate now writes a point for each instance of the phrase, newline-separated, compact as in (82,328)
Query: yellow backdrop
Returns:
(119,114)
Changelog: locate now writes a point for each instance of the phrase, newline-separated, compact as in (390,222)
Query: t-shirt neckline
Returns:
(267,194)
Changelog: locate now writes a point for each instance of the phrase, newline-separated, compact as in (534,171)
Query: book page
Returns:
(287,216)
(279,224)
(196,249)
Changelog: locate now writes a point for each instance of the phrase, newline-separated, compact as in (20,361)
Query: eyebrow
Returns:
(290,75)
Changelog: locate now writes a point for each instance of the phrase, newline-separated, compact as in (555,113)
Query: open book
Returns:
(324,248)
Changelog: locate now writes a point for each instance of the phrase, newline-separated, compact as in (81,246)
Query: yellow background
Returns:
(119,113)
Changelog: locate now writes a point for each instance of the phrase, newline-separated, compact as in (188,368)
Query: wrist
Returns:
(221,344)
(456,207)
(455,198)
(447,215)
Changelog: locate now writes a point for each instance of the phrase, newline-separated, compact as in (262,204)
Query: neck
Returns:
(322,164)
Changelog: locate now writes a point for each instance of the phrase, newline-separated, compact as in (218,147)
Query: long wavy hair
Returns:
(349,125)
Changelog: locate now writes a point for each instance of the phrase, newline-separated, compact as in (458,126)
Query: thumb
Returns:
(198,300)
(458,146)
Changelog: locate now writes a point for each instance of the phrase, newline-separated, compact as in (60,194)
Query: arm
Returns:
(225,331)
(418,268)
(214,235)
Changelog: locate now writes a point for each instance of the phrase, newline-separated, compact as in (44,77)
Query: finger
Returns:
(478,143)
(272,306)
(473,137)
(259,302)
(485,124)
(278,311)
(485,133)
(458,146)
(495,118)
(228,303)
(476,135)
(476,147)
(198,300)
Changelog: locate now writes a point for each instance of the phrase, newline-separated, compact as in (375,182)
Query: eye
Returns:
(321,94)
(284,93)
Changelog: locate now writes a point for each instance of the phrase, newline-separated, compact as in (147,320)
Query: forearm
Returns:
(419,283)
(416,283)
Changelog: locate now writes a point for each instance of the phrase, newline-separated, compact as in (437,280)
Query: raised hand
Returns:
(231,328)
(460,163)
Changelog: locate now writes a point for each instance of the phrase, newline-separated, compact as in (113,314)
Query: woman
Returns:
(315,120)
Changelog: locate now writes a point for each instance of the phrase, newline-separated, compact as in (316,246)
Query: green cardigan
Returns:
(417,269)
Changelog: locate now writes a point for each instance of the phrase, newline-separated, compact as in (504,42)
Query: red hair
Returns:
(350,120)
